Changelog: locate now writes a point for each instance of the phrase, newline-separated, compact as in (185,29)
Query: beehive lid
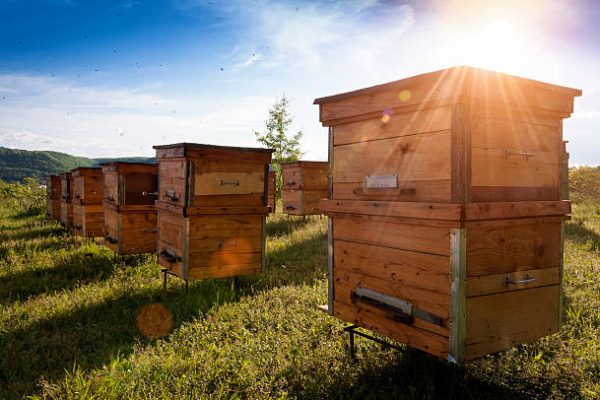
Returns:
(448,86)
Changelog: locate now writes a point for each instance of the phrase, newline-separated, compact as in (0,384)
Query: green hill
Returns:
(15,165)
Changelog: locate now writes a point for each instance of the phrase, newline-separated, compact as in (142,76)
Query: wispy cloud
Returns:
(55,114)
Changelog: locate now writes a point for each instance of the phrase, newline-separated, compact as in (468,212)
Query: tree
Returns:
(287,147)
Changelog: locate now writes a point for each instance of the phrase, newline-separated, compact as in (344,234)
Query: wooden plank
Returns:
(222,183)
(172,179)
(394,125)
(375,320)
(440,211)
(507,248)
(223,272)
(233,244)
(490,167)
(170,228)
(391,233)
(407,92)
(460,154)
(500,321)
(504,210)
(509,193)
(420,270)
(408,190)
(225,225)
(224,260)
(302,202)
(489,284)
(419,157)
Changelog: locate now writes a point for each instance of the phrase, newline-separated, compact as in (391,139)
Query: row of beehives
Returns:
(445,210)
(203,211)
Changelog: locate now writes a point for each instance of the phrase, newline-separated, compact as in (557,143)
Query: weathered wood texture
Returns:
(130,222)
(88,219)
(447,192)
(211,246)
(457,135)
(130,231)
(130,183)
(211,209)
(302,202)
(212,176)
(53,196)
(304,185)
(66,199)
(273,191)
(66,214)
(88,185)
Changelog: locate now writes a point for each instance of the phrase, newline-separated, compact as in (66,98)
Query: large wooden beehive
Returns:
(53,195)
(446,219)
(129,212)
(304,185)
(66,199)
(212,204)
(88,213)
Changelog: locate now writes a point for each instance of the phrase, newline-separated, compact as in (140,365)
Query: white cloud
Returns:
(54,114)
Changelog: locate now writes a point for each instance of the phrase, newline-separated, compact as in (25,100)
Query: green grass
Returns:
(68,312)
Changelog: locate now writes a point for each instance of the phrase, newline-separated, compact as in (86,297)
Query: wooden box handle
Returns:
(223,182)
(521,153)
(111,239)
(169,256)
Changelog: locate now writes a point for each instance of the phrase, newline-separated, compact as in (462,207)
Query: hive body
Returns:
(130,223)
(304,185)
(53,195)
(88,213)
(66,200)
(445,192)
(211,209)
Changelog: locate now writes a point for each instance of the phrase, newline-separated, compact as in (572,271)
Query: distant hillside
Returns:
(18,164)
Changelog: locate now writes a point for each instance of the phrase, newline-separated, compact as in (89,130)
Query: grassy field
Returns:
(69,328)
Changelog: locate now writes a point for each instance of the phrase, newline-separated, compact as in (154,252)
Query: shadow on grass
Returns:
(579,233)
(284,225)
(32,232)
(91,336)
(302,262)
(411,374)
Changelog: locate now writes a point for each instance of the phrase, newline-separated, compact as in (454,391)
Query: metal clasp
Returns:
(507,281)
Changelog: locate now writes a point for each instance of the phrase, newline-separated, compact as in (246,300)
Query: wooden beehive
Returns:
(88,213)
(273,191)
(129,212)
(304,185)
(53,196)
(66,199)
(446,219)
(212,204)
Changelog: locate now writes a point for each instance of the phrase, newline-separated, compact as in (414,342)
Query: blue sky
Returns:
(113,78)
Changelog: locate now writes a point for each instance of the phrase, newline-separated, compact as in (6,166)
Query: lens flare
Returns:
(404,95)
(154,321)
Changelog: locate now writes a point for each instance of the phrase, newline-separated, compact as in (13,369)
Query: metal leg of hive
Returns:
(187,283)
(351,329)
(164,271)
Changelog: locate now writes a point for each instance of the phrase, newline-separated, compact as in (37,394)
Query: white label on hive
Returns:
(380,181)
(218,183)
